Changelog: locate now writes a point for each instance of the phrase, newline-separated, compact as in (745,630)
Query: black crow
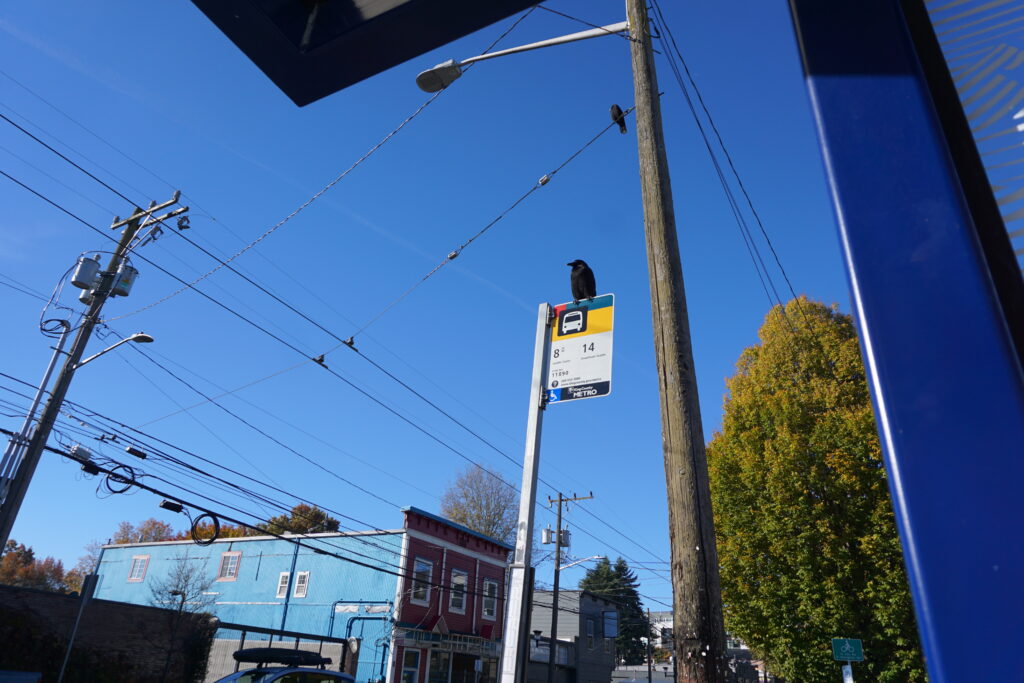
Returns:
(582,281)
(619,118)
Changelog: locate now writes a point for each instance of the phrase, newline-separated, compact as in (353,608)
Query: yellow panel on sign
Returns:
(587,317)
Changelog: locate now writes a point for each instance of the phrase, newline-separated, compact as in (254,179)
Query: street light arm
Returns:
(444,74)
(137,337)
(609,30)
(585,559)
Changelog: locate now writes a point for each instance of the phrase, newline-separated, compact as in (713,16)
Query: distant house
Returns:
(426,601)
(587,626)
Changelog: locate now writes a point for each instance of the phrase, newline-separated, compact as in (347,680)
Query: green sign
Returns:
(847,650)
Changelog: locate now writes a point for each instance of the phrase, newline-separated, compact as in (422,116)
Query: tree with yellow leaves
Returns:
(807,539)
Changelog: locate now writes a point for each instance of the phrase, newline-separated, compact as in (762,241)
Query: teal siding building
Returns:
(342,585)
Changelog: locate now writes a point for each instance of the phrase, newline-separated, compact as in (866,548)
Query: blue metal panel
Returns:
(945,379)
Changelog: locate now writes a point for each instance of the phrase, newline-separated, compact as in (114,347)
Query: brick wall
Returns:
(116,641)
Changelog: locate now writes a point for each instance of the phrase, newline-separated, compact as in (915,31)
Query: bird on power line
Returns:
(584,286)
(619,118)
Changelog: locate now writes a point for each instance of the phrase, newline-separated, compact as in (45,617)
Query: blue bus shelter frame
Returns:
(936,309)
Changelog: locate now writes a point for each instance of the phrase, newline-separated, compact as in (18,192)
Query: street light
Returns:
(445,73)
(691,519)
(22,454)
(585,559)
(138,338)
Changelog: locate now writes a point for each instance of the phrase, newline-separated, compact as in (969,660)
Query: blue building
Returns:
(375,586)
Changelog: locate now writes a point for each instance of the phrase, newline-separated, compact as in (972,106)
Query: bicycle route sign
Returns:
(847,650)
(580,352)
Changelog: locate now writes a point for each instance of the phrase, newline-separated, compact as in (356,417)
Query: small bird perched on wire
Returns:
(582,281)
(619,118)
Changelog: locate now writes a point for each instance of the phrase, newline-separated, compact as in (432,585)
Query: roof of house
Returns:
(443,520)
(286,536)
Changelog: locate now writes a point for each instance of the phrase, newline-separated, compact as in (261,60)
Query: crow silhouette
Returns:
(582,280)
(619,118)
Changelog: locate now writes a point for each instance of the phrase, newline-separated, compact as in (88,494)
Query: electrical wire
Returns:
(451,256)
(323,190)
(374,399)
(663,24)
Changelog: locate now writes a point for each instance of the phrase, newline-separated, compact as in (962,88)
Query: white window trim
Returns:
(415,671)
(145,568)
(299,576)
(425,602)
(223,560)
(282,585)
(486,597)
(456,592)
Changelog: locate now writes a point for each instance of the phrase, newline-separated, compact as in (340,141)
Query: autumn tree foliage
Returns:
(149,531)
(19,567)
(807,539)
(483,501)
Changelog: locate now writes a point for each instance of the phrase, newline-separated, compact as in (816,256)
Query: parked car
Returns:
(295,666)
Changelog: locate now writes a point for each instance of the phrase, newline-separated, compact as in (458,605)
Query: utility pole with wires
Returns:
(559,541)
(696,594)
(116,279)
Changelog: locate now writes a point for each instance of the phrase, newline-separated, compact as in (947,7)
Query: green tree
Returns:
(303,519)
(483,501)
(19,567)
(618,583)
(806,534)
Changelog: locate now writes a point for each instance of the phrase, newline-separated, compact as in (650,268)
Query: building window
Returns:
(301,585)
(590,634)
(229,566)
(137,572)
(457,598)
(421,573)
(608,646)
(440,663)
(490,599)
(410,666)
(282,585)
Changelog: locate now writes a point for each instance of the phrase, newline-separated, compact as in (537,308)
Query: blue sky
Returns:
(151,98)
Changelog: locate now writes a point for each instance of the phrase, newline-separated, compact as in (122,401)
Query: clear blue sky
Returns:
(151,97)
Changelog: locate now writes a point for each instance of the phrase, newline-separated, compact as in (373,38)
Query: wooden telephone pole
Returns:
(697,603)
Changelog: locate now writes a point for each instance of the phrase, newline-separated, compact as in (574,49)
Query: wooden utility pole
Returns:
(697,603)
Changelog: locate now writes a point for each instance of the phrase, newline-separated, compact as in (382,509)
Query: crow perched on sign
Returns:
(619,118)
(582,280)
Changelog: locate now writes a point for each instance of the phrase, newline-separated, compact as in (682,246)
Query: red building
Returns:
(450,603)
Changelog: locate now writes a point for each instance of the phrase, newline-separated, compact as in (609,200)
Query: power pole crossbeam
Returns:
(697,605)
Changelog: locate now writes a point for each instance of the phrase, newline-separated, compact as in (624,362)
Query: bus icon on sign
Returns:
(573,321)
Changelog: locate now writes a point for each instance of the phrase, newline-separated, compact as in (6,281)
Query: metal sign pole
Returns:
(517,611)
